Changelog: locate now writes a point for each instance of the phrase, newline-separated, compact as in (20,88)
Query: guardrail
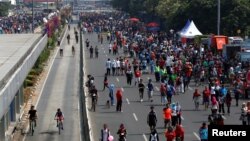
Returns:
(5,79)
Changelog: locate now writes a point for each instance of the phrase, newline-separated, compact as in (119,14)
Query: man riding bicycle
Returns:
(32,114)
(94,96)
(59,117)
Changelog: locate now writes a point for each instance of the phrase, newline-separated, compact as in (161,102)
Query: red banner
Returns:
(220,42)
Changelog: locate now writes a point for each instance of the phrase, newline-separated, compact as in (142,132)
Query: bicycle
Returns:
(60,126)
(32,125)
(94,102)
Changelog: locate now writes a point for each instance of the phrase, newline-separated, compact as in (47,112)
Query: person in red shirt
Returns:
(170,134)
(206,95)
(179,132)
(119,100)
(137,76)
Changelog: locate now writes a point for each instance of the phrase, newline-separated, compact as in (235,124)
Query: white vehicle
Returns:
(235,40)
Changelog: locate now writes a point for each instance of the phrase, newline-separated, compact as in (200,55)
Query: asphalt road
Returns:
(60,91)
(135,113)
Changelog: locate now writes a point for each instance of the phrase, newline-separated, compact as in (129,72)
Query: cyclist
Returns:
(32,114)
(73,50)
(94,96)
(152,119)
(59,117)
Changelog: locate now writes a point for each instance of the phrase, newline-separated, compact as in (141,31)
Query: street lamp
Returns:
(32,16)
(218,18)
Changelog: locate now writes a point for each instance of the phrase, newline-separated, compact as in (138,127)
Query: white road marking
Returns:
(195,134)
(148,77)
(104,51)
(144,136)
(182,118)
(127,101)
(122,89)
(106,55)
(224,117)
(117,79)
(135,116)
(190,88)
(157,88)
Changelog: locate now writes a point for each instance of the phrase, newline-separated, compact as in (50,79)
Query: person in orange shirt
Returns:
(119,100)
(167,114)
(170,134)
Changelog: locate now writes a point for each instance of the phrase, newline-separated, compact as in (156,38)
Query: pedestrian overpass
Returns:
(18,54)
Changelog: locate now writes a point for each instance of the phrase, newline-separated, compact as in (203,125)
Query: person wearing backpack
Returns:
(105,133)
(152,119)
(154,135)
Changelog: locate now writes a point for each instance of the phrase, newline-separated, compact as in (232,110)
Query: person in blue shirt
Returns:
(223,90)
(203,132)
(111,94)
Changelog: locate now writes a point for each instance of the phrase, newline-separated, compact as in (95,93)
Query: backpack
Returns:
(153,137)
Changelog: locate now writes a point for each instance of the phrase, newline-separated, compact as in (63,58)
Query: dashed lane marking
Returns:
(182,118)
(127,101)
(157,88)
(136,119)
(104,51)
(195,134)
(144,136)
(122,89)
(106,55)
(117,79)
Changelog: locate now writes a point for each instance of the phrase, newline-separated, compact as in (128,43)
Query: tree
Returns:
(4,8)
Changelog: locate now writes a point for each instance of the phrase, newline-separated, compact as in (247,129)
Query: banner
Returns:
(220,41)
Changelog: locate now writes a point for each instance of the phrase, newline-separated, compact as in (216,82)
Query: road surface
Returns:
(135,113)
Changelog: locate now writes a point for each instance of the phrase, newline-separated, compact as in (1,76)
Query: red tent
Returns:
(153,24)
(134,19)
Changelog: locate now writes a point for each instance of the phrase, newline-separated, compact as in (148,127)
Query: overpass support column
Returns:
(2,129)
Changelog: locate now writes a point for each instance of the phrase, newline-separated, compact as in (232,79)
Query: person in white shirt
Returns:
(118,66)
(105,133)
(108,66)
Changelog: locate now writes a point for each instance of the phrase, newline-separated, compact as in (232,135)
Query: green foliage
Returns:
(235,14)
(28,83)
(4,8)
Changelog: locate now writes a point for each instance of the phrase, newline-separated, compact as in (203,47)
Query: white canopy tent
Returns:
(190,31)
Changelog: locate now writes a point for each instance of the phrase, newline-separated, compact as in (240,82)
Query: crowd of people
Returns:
(20,23)
(172,64)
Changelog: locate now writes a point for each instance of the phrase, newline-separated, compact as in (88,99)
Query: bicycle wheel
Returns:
(59,127)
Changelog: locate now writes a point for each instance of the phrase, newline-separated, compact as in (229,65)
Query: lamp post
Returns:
(32,16)
(218,18)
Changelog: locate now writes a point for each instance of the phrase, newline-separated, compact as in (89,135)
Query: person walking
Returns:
(91,51)
(105,82)
(96,52)
(122,132)
(119,100)
(150,90)
(228,101)
(179,132)
(152,119)
(163,92)
(111,94)
(203,132)
(196,99)
(167,114)
(129,75)
(141,90)
(170,134)
(243,116)
(105,133)
(108,66)
(154,135)
(178,111)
